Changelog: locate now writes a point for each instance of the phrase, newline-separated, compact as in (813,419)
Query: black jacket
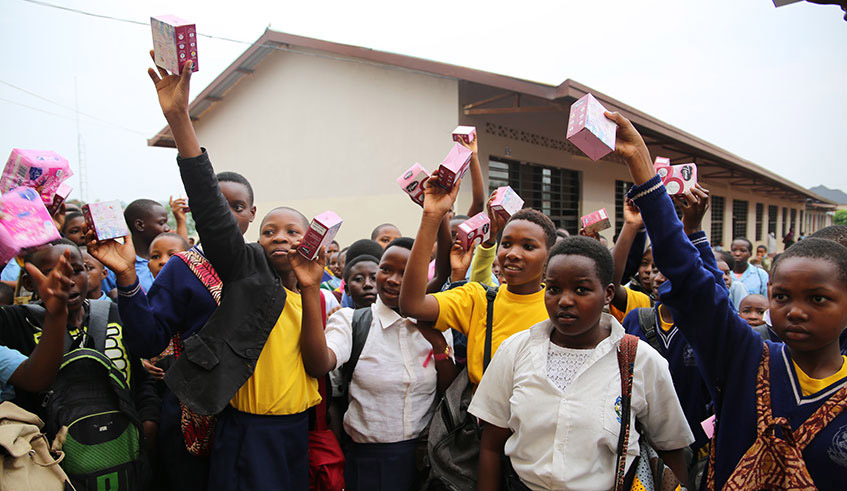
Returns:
(217,360)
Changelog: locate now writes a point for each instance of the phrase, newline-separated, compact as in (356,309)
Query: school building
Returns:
(318,125)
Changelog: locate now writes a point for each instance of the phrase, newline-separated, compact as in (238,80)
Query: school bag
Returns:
(26,462)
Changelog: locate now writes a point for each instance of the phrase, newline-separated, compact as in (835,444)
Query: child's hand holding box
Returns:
(321,232)
(25,223)
(589,128)
(174,42)
(106,219)
(506,202)
(595,222)
(412,181)
(465,134)
(475,230)
(678,179)
(454,166)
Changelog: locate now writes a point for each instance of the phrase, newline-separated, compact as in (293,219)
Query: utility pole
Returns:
(80,151)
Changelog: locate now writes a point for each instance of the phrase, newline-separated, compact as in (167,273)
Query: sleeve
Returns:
(222,241)
(490,402)
(10,360)
(339,335)
(738,292)
(331,301)
(636,252)
(455,307)
(11,272)
(662,416)
(145,277)
(634,300)
(702,308)
(143,388)
(481,264)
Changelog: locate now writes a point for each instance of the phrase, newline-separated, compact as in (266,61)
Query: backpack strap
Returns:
(490,296)
(626,363)
(98,319)
(362,319)
(647,319)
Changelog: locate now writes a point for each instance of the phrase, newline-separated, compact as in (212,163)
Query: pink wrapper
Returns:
(42,170)
(25,223)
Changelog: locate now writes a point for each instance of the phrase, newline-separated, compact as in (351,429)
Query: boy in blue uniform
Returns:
(782,402)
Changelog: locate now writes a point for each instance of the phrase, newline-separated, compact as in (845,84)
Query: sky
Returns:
(767,84)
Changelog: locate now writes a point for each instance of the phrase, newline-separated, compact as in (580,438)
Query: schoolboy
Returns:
(163,247)
(737,289)
(549,397)
(74,228)
(96,275)
(754,382)
(755,279)
(146,219)
(627,299)
(393,389)
(266,339)
(761,260)
(385,233)
(752,310)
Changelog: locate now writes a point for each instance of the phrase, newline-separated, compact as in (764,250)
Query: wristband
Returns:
(443,356)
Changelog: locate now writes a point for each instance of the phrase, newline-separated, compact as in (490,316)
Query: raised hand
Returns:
(117,256)
(308,273)
(55,287)
(472,146)
(437,200)
(694,204)
(178,208)
(630,146)
(632,215)
(172,89)
(593,234)
(460,261)
(497,222)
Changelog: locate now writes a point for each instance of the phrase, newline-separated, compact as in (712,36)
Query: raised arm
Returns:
(442,257)
(178,210)
(317,359)
(477,183)
(632,224)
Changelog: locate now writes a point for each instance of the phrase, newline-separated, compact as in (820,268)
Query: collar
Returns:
(386,316)
(139,259)
(540,341)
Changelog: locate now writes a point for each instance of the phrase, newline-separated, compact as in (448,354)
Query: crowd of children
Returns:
(248,366)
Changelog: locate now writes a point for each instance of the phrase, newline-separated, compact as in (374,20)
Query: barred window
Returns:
(739,218)
(760,215)
(717,220)
(773,212)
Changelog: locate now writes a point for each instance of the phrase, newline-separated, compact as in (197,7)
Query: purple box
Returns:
(466,134)
(174,42)
(106,219)
(412,181)
(475,229)
(25,222)
(589,129)
(454,166)
(506,202)
(321,232)
(42,170)
(596,221)
(58,198)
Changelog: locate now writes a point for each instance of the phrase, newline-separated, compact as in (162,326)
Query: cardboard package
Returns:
(412,181)
(677,178)
(589,129)
(321,232)
(596,221)
(466,134)
(454,166)
(106,219)
(59,197)
(25,222)
(475,230)
(42,170)
(506,202)
(174,42)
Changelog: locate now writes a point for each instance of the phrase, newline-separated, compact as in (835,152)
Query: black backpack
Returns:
(361,327)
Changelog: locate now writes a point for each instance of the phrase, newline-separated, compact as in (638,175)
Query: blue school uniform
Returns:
(729,352)
(755,279)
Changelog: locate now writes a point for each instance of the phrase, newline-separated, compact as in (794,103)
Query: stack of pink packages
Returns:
(42,170)
(25,223)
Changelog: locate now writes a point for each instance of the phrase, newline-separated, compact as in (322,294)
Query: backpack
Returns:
(647,321)
(25,459)
(361,326)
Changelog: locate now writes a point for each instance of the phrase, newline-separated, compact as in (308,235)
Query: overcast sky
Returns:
(767,84)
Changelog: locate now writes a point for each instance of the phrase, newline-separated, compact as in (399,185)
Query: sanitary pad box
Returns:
(59,197)
(25,222)
(42,170)
(506,202)
(174,42)
(475,230)
(466,134)
(321,232)
(677,178)
(589,129)
(412,181)
(454,166)
(106,219)
(595,222)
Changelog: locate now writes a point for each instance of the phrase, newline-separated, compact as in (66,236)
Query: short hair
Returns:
(358,259)
(819,249)
(363,246)
(139,210)
(539,219)
(586,247)
(375,232)
(762,246)
(237,178)
(33,255)
(838,233)
(404,242)
(745,239)
(70,216)
(302,217)
(725,257)
(175,236)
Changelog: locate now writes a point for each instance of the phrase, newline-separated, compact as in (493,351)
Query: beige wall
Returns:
(316,133)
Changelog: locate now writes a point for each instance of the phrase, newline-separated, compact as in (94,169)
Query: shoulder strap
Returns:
(119,383)
(626,363)
(204,271)
(763,331)
(490,296)
(98,319)
(362,319)
(647,319)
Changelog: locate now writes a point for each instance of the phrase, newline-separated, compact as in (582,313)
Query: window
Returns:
(550,190)
(784,221)
(794,222)
(739,218)
(717,220)
(621,187)
(773,211)
(760,215)
(803,226)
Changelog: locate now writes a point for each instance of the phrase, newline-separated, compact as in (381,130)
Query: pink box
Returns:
(506,202)
(454,166)
(174,42)
(25,223)
(412,181)
(595,222)
(466,134)
(106,219)
(589,129)
(58,198)
(321,232)
(42,170)
(475,229)
(677,178)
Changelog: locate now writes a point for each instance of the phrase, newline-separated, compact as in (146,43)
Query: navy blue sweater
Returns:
(729,352)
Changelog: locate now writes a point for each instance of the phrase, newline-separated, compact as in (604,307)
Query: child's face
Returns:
(155,223)
(74,230)
(386,235)
(575,297)
(808,305)
(752,309)
(280,230)
(497,271)
(740,251)
(761,252)
(161,250)
(727,277)
(332,248)
(334,266)
(658,280)
(389,277)
(522,252)
(96,274)
(48,260)
(361,285)
(238,197)
(645,271)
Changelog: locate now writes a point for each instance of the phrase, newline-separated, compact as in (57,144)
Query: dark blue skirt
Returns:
(253,452)
(380,466)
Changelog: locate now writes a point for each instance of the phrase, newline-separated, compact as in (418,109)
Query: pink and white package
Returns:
(25,223)
(466,134)
(412,181)
(596,221)
(106,219)
(506,202)
(174,42)
(42,170)
(589,129)
(321,232)
(454,166)
(59,197)
(475,229)
(677,178)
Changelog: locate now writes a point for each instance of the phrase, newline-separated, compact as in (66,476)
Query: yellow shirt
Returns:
(634,300)
(464,309)
(811,385)
(279,384)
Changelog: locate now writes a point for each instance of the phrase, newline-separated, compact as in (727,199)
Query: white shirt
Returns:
(392,394)
(568,440)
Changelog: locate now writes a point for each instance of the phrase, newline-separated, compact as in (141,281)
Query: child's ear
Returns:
(27,283)
(138,225)
(104,274)
(610,293)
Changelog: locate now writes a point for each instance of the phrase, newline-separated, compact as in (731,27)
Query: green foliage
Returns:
(841,217)
(189,222)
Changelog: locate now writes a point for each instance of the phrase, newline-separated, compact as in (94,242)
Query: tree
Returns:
(841,217)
